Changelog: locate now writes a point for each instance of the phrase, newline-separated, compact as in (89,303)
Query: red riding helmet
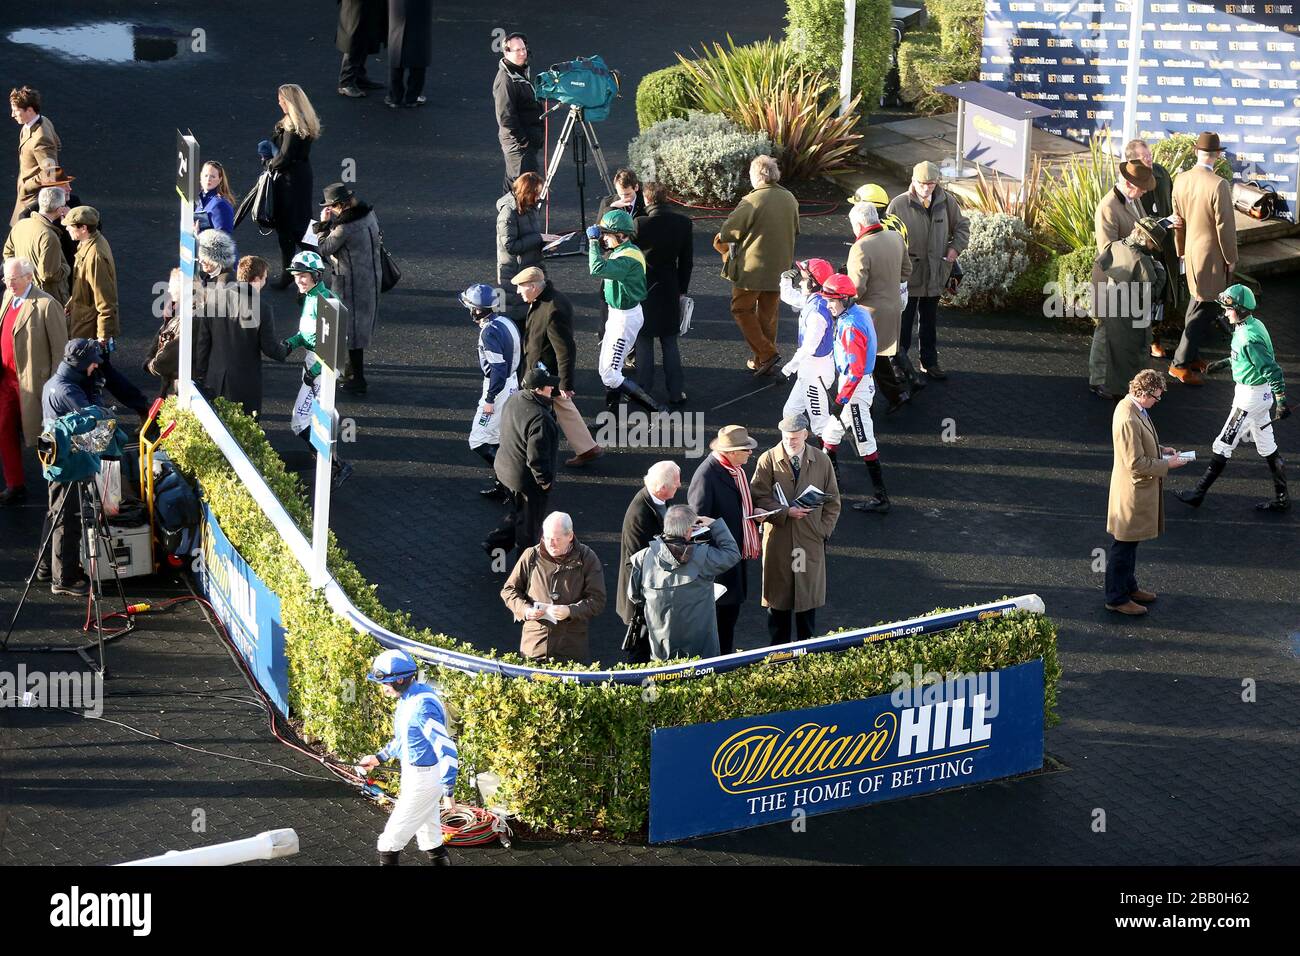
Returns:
(818,269)
(840,286)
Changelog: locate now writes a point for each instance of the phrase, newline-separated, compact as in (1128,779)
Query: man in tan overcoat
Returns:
(37,240)
(1136,510)
(794,539)
(1121,208)
(33,331)
(879,266)
(1207,243)
(757,241)
(38,145)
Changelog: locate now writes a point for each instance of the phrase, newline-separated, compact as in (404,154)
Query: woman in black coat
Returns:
(410,50)
(715,494)
(292,138)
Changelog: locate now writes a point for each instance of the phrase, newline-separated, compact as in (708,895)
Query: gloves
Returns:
(593,232)
(837,409)
(266,149)
(1217,365)
(788,370)
(791,275)
(307,377)
(1280,411)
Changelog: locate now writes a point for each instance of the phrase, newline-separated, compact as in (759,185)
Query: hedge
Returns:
(816,29)
(663,94)
(946,51)
(571,758)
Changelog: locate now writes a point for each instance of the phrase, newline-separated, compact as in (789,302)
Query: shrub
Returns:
(1071,195)
(760,88)
(571,757)
(815,31)
(1177,153)
(662,95)
(947,51)
(994,194)
(703,158)
(1028,289)
(1074,277)
(995,257)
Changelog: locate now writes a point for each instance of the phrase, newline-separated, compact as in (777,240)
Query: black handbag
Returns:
(260,202)
(390,274)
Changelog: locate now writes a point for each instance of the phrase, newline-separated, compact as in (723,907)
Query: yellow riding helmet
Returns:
(871,193)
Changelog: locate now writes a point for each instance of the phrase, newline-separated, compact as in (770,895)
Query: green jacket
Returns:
(761,231)
(1253,362)
(305,337)
(623,271)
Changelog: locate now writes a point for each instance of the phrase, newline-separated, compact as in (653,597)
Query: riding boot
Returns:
(878,503)
(907,372)
(1280,501)
(1197,494)
(835,464)
(613,396)
(639,395)
(390,858)
(439,856)
(356,382)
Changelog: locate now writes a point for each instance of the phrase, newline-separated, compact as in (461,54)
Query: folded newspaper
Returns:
(810,497)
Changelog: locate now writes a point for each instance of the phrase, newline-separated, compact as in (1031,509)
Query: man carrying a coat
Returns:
(794,539)
(1136,509)
(1207,243)
(642,522)
(674,578)
(937,233)
(33,332)
(38,146)
(757,242)
(879,266)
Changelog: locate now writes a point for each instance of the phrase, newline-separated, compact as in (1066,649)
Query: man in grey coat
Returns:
(674,579)
(348,233)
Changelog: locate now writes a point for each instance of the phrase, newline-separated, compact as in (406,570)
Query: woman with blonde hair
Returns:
(291,161)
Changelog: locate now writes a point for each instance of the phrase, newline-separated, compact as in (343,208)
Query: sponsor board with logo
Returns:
(753,771)
(1196,58)
(247,608)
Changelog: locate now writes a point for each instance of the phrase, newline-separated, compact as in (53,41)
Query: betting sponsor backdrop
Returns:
(1231,68)
(750,771)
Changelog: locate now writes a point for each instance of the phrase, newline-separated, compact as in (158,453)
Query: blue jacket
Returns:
(219,211)
(420,736)
(498,354)
(67,390)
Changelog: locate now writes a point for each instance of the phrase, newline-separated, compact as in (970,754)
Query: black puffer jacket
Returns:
(519,115)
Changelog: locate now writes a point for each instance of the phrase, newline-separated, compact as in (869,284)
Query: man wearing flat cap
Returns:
(1207,243)
(794,539)
(92,306)
(1130,290)
(525,460)
(720,489)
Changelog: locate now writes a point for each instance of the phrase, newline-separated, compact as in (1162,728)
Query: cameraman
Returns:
(69,390)
(519,114)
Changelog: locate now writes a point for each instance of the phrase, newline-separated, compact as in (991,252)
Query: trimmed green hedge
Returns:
(946,51)
(572,758)
(663,94)
(815,28)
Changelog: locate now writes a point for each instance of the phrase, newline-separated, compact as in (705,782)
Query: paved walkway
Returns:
(1154,730)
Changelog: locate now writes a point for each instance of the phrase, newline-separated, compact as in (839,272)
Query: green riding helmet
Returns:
(307,262)
(616,220)
(1238,297)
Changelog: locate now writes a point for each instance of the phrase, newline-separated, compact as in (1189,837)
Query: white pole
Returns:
(270,845)
(186,177)
(1137,11)
(846,62)
(320,516)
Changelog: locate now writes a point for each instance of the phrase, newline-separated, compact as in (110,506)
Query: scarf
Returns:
(868,230)
(750,547)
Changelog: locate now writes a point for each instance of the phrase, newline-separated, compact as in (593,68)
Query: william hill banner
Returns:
(1232,68)
(710,778)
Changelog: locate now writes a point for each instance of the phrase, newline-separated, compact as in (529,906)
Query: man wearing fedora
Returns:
(38,145)
(720,489)
(39,239)
(1159,204)
(1207,243)
(1121,208)
(348,235)
(794,539)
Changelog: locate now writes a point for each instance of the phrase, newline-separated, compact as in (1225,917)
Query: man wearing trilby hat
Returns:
(1207,243)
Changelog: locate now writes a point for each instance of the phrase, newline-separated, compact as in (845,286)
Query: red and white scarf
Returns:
(750,547)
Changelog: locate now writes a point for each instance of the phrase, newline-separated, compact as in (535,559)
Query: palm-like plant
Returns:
(993,194)
(1069,201)
(761,88)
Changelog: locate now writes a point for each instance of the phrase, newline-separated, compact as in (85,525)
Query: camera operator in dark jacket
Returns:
(519,114)
(525,460)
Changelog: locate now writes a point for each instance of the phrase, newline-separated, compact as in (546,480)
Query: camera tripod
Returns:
(94,530)
(581,145)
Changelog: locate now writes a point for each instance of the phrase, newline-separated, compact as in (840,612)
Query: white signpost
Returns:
(1137,10)
(846,61)
(187,187)
(331,346)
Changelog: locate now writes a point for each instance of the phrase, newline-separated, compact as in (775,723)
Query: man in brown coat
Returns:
(1207,243)
(38,145)
(556,588)
(36,239)
(757,242)
(33,332)
(1121,208)
(879,266)
(794,539)
(1136,510)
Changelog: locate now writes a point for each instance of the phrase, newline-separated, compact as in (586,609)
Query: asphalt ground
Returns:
(1154,729)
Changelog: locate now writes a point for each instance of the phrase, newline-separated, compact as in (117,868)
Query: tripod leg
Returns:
(558,155)
(590,133)
(99,522)
(45,545)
